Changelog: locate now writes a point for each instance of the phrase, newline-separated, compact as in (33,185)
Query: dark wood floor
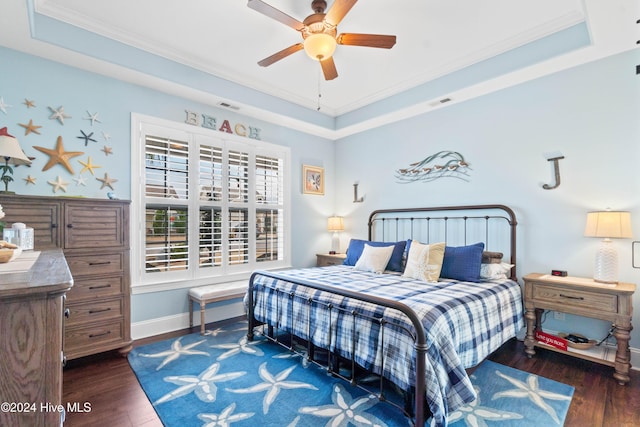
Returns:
(107,382)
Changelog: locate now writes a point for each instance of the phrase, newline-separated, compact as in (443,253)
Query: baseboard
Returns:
(161,325)
(635,352)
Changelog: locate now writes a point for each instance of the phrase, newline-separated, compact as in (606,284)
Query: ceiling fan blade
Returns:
(329,68)
(280,55)
(338,11)
(272,12)
(368,40)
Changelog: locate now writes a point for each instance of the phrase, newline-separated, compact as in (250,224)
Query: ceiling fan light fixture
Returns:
(319,46)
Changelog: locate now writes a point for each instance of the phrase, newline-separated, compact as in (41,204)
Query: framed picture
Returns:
(312,180)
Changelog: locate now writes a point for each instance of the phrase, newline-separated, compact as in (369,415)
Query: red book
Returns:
(551,340)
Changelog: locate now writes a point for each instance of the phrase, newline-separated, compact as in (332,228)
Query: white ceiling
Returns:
(226,39)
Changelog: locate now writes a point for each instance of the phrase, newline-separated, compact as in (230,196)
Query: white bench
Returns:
(204,295)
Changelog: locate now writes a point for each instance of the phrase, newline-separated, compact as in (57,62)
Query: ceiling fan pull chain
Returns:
(319,93)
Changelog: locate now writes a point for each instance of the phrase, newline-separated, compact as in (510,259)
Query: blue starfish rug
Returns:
(221,379)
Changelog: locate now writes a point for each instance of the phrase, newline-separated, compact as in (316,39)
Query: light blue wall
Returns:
(52,84)
(591,114)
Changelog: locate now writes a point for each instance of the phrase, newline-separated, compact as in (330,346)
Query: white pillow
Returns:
(374,258)
(424,261)
(495,271)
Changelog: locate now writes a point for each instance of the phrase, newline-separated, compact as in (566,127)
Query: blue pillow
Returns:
(356,247)
(462,262)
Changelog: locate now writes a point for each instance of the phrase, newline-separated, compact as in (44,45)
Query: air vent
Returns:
(439,102)
(229,106)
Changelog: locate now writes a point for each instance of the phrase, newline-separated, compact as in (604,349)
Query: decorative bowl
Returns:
(6,255)
(578,345)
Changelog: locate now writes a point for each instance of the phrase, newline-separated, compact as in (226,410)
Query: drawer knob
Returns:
(102,310)
(69,225)
(100,263)
(67,313)
(99,287)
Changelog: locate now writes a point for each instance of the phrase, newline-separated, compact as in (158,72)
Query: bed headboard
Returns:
(494,225)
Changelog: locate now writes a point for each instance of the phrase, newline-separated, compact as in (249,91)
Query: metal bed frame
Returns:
(394,222)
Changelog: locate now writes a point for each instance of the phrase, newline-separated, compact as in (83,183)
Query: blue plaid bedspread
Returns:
(464,323)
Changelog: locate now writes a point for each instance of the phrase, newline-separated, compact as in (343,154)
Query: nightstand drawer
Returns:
(576,298)
(324,260)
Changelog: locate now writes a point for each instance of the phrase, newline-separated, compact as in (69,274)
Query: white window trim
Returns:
(144,283)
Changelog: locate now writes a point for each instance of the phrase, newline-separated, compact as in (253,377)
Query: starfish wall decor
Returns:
(107,181)
(86,137)
(58,114)
(59,156)
(88,166)
(30,127)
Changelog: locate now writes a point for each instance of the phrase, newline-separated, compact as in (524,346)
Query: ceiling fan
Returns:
(319,33)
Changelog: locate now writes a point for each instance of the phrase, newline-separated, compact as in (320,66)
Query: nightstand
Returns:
(582,297)
(324,260)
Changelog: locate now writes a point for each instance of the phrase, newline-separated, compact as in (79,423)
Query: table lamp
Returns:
(335,224)
(12,153)
(607,225)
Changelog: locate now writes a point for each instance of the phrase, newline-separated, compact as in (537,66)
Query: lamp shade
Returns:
(320,46)
(335,223)
(10,150)
(609,224)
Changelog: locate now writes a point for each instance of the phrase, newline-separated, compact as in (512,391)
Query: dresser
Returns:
(582,297)
(32,289)
(94,236)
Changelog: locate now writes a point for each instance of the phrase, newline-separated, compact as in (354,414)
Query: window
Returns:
(210,205)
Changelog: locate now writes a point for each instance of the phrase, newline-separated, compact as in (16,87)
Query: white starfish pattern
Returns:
(215,332)
(273,384)
(225,418)
(242,346)
(474,414)
(176,351)
(531,390)
(346,410)
(204,385)
(298,351)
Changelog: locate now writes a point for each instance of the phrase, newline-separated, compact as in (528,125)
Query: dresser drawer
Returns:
(94,288)
(94,337)
(80,314)
(84,265)
(576,298)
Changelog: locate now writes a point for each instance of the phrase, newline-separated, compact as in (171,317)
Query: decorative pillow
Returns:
(374,258)
(424,261)
(495,271)
(489,257)
(356,247)
(462,262)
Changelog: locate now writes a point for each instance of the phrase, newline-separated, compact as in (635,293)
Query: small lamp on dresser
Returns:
(608,225)
(11,153)
(335,224)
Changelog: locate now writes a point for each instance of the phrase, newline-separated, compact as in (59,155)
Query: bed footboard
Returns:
(417,410)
